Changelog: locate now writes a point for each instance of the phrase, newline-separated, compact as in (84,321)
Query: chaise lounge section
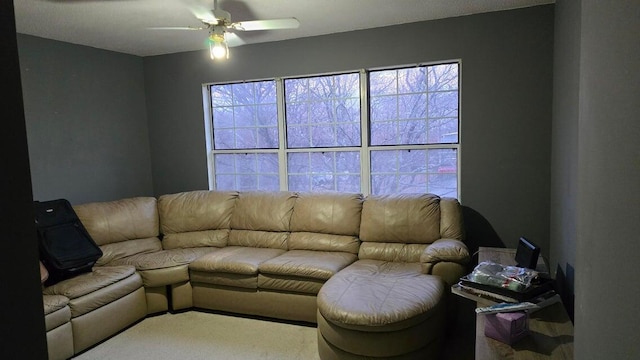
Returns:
(387,304)
(373,272)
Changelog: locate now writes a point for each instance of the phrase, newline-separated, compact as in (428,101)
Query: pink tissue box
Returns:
(507,327)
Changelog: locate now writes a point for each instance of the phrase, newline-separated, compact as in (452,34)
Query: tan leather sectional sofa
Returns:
(285,255)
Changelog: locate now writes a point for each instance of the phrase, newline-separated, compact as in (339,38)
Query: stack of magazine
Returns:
(507,284)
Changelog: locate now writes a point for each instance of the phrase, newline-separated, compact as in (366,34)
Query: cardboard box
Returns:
(507,327)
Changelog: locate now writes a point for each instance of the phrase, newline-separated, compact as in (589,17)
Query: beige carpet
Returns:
(199,335)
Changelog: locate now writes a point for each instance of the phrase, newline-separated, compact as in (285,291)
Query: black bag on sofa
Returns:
(66,248)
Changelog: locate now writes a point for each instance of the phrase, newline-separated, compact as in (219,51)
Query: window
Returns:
(322,117)
(245,135)
(372,131)
(413,111)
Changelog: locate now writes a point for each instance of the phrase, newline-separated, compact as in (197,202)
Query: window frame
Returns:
(365,149)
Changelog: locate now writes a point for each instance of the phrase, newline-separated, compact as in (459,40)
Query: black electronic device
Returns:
(527,254)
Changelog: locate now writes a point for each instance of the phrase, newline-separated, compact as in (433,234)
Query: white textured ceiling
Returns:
(123,25)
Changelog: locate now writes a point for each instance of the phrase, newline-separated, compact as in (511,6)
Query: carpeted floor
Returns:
(197,335)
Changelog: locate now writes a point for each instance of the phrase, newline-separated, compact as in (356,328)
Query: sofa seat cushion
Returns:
(302,271)
(235,260)
(373,295)
(164,258)
(120,250)
(56,311)
(289,283)
(235,266)
(307,264)
(101,286)
(165,267)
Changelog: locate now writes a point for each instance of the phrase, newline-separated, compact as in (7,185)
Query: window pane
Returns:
(247,171)
(443,77)
(412,80)
(243,93)
(223,117)
(297,90)
(384,133)
(323,111)
(225,164)
(299,182)
(221,95)
(383,108)
(265,92)
(413,106)
(348,183)
(268,115)
(297,113)
(421,95)
(443,104)
(224,138)
(225,182)
(298,163)
(245,115)
(268,182)
(383,83)
(322,136)
(443,131)
(246,138)
(408,171)
(324,171)
(412,131)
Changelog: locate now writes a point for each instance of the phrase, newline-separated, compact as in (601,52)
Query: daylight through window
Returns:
(373,131)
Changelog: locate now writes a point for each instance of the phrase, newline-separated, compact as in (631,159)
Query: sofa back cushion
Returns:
(451,221)
(122,227)
(114,221)
(326,222)
(262,219)
(196,218)
(399,227)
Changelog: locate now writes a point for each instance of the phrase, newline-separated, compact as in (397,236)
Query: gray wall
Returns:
(608,201)
(564,147)
(86,121)
(506,106)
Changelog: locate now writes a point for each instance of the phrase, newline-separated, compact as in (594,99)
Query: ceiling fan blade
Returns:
(233,39)
(272,24)
(201,13)
(176,28)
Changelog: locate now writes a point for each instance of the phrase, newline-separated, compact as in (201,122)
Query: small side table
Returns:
(551,330)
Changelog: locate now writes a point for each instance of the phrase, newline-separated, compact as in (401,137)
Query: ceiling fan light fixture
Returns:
(218,48)
(221,30)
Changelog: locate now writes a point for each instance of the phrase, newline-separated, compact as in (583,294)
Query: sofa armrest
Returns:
(446,258)
(444,250)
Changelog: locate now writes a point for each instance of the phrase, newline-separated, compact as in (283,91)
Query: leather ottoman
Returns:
(385,310)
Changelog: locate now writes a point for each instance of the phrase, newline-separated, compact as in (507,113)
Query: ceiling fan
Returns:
(222,31)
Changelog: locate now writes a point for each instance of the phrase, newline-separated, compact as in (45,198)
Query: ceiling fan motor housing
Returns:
(223,17)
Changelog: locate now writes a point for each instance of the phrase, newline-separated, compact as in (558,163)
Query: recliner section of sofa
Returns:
(100,303)
(254,253)
(57,319)
(128,232)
